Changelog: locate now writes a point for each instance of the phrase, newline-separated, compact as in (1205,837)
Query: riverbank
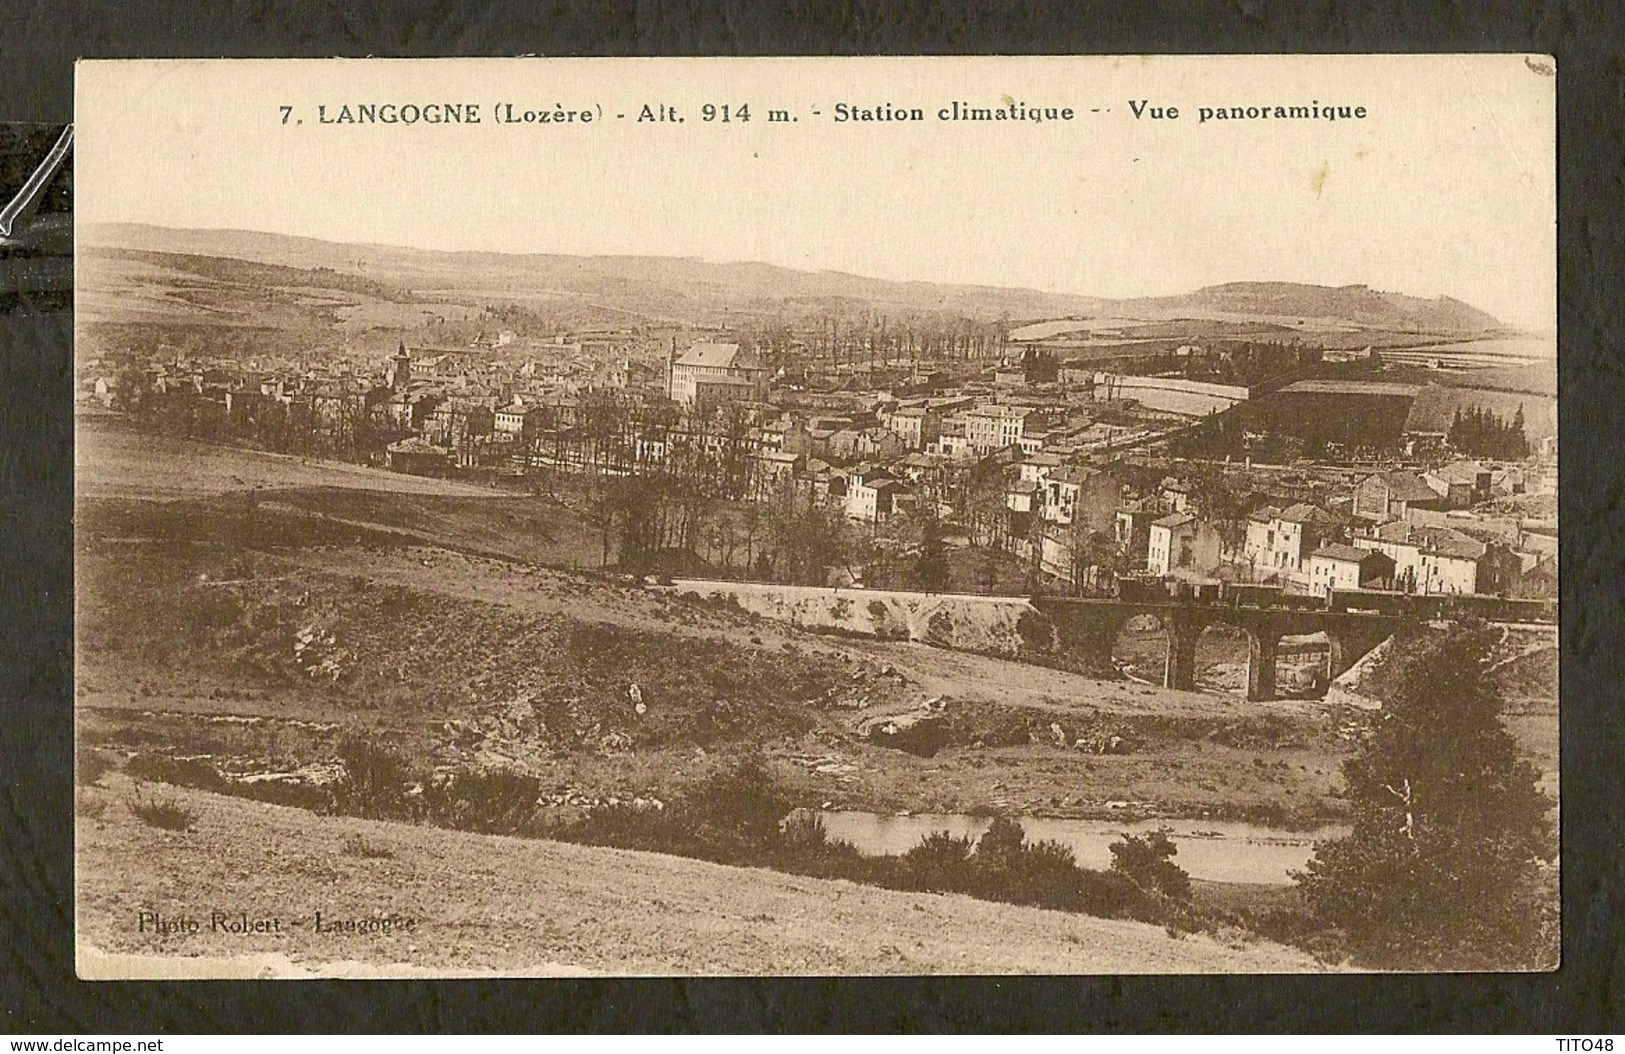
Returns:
(514,907)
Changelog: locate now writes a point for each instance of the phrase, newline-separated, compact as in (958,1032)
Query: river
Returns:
(1208,849)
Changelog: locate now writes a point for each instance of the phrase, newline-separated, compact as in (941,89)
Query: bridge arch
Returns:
(1306,662)
(1140,646)
(1222,651)
(1111,638)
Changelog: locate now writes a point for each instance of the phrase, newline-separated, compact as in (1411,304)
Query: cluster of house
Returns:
(442,394)
(874,455)
(1402,530)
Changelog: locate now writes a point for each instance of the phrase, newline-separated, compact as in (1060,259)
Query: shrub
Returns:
(177,772)
(355,845)
(164,813)
(1005,867)
(494,801)
(374,784)
(940,863)
(1044,874)
(1002,840)
(90,766)
(735,809)
(290,793)
(1147,861)
(1037,632)
(629,827)
(1108,894)
(802,830)
(733,816)
(89,807)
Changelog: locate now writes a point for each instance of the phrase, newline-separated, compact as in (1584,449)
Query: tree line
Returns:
(1478,432)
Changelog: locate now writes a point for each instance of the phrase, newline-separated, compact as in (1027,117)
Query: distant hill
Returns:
(655,288)
(693,291)
(1357,304)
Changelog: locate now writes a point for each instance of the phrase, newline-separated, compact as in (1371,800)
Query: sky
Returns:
(1445,187)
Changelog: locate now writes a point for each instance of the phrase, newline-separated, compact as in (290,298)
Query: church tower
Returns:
(402,375)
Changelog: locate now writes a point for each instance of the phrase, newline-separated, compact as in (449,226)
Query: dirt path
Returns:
(484,904)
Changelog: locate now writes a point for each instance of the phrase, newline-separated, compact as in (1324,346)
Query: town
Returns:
(983,460)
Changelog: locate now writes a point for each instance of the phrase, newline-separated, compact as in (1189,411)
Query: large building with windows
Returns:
(709,373)
(991,428)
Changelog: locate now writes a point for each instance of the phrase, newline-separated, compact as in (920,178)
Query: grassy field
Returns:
(483,904)
(1436,405)
(112,459)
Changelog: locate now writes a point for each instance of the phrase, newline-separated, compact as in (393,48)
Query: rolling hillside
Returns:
(640,288)
(665,290)
(1357,304)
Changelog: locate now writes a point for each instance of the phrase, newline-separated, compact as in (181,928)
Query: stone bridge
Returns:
(1076,633)
(1086,630)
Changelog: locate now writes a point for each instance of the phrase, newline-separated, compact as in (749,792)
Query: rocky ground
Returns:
(265,661)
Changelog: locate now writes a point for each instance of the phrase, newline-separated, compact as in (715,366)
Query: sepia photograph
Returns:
(675,517)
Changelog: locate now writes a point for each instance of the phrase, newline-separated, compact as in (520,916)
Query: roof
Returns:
(1460,472)
(1265,514)
(1024,486)
(460,405)
(1073,474)
(723,356)
(1333,387)
(1345,553)
(1174,519)
(1406,486)
(1441,541)
(1303,512)
(414,445)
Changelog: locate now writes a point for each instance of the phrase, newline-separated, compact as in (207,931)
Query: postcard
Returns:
(1052,515)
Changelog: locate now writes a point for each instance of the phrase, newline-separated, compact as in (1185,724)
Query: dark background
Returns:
(22,148)
(39,39)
